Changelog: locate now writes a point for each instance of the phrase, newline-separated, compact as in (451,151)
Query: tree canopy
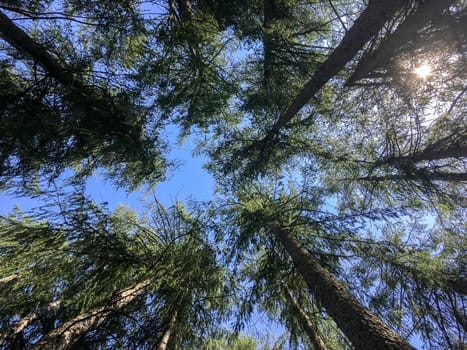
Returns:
(336,135)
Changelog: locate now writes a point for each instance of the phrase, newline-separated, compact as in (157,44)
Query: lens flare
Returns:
(423,71)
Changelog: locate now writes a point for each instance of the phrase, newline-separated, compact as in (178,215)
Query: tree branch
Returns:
(17,38)
(398,40)
(368,24)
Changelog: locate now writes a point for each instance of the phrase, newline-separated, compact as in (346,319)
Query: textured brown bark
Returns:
(17,38)
(368,24)
(405,32)
(65,335)
(363,328)
(307,324)
(168,331)
(24,322)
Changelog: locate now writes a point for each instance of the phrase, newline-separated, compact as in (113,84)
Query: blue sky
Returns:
(188,180)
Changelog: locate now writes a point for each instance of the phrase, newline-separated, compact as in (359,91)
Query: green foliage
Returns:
(417,285)
(369,178)
(83,127)
(239,343)
(86,254)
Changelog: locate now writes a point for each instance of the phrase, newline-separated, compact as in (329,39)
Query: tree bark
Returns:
(272,12)
(69,332)
(307,324)
(168,331)
(17,38)
(10,278)
(368,24)
(363,328)
(450,177)
(452,151)
(24,322)
(185,10)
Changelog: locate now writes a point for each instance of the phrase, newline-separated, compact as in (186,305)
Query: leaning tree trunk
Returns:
(367,25)
(69,332)
(11,333)
(167,333)
(307,324)
(363,328)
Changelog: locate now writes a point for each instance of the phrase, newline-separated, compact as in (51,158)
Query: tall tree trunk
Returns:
(168,331)
(185,10)
(363,328)
(272,11)
(307,324)
(450,177)
(69,332)
(267,9)
(368,24)
(24,322)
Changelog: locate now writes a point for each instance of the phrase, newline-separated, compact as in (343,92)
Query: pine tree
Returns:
(336,133)
(99,264)
(78,119)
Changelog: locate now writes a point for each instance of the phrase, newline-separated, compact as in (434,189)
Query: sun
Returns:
(423,71)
